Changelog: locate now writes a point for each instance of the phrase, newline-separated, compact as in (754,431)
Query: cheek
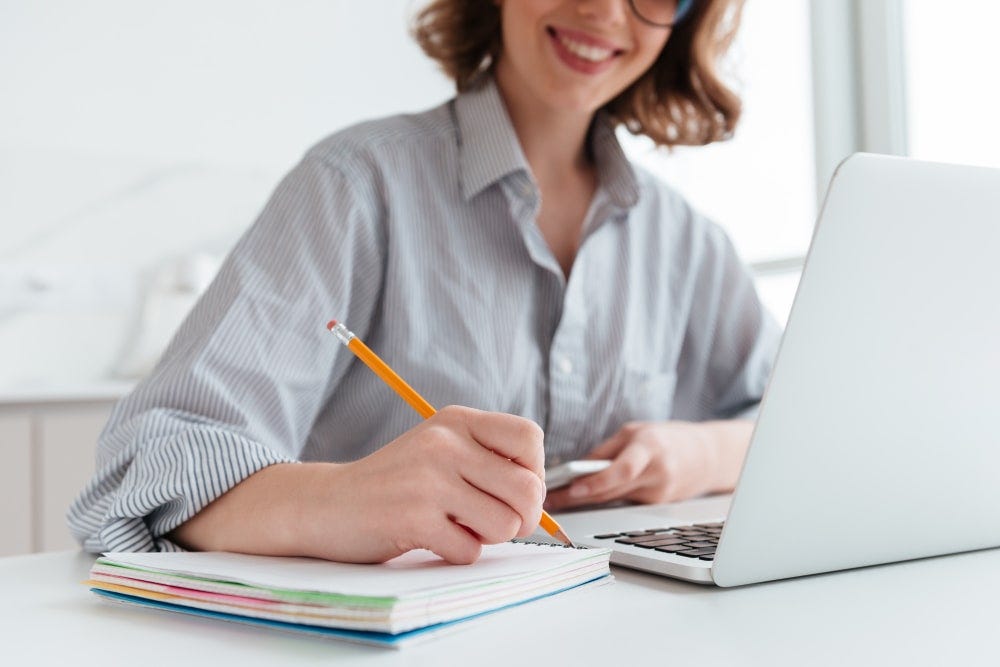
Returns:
(636,69)
(650,56)
(649,51)
(521,46)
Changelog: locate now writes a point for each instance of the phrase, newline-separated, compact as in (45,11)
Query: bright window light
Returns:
(761,185)
(952,94)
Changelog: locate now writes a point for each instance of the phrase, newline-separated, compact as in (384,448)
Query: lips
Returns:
(582,52)
(585,51)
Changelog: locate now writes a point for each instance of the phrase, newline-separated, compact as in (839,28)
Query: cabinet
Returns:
(48,456)
(16,480)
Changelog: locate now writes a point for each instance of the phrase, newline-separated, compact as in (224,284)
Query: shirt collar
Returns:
(489,149)
(615,172)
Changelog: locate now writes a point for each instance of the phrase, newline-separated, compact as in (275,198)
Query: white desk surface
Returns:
(936,611)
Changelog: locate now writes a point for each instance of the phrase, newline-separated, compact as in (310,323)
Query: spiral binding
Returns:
(525,540)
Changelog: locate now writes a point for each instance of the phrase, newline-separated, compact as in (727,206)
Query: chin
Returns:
(576,102)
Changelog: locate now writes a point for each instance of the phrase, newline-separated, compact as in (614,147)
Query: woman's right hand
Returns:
(461,479)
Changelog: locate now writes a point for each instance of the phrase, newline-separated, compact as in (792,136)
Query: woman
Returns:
(501,253)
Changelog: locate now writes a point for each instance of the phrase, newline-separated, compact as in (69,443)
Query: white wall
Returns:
(138,139)
(243,82)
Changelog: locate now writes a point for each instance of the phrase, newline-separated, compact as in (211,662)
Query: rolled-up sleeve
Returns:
(244,378)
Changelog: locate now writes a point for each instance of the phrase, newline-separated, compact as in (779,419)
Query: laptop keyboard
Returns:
(698,540)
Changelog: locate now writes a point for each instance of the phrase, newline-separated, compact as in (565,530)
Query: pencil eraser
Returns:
(331,325)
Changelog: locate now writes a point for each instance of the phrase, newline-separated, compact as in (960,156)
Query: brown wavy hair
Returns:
(680,100)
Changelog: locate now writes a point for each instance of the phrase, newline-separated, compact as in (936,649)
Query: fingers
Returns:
(478,470)
(508,483)
(509,436)
(492,520)
(617,481)
(454,543)
(507,464)
(609,448)
(463,519)
(623,472)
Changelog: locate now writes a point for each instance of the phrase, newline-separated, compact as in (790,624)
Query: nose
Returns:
(613,12)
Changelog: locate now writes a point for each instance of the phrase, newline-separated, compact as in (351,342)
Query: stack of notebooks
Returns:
(414,596)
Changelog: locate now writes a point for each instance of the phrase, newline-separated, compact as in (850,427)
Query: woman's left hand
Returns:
(661,462)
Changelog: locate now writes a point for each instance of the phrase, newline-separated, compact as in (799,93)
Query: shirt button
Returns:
(564,365)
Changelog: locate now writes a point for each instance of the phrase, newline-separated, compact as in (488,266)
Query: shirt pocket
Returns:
(645,395)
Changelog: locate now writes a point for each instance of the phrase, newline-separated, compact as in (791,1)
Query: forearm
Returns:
(153,471)
(456,481)
(728,441)
(264,514)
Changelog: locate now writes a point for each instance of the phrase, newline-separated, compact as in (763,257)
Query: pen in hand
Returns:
(416,401)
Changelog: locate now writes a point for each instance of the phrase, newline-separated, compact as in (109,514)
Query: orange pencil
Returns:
(416,401)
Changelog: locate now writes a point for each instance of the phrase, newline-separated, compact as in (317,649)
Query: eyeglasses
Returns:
(661,13)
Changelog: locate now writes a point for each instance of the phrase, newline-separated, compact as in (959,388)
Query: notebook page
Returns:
(414,573)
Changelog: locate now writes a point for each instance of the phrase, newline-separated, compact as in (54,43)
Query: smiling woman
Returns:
(681,100)
(502,253)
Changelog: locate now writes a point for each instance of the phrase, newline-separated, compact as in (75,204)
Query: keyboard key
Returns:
(673,548)
(660,542)
(694,553)
(650,531)
(710,556)
(718,525)
(701,545)
(643,538)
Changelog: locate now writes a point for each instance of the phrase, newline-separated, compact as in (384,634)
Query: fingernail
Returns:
(578,491)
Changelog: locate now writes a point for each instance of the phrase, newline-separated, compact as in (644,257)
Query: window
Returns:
(951,91)
(761,185)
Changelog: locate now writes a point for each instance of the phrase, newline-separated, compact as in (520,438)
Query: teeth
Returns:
(587,52)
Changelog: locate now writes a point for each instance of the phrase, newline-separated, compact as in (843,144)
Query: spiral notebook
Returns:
(412,597)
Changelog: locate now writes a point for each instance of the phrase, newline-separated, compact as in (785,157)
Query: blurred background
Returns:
(138,140)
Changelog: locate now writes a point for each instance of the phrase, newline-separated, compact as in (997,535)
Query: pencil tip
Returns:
(564,538)
(331,324)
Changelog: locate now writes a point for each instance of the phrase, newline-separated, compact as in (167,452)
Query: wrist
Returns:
(243,519)
(727,443)
(310,511)
(265,513)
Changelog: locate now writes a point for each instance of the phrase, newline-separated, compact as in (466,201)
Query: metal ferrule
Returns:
(343,333)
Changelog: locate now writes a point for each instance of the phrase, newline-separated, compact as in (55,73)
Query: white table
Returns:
(937,611)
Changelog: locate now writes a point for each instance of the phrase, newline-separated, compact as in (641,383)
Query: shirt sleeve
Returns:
(731,338)
(244,378)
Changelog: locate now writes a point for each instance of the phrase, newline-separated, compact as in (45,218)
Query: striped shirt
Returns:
(418,232)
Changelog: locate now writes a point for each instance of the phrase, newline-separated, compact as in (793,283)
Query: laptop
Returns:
(878,438)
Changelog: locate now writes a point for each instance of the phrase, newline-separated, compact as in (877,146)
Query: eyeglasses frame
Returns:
(683,9)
